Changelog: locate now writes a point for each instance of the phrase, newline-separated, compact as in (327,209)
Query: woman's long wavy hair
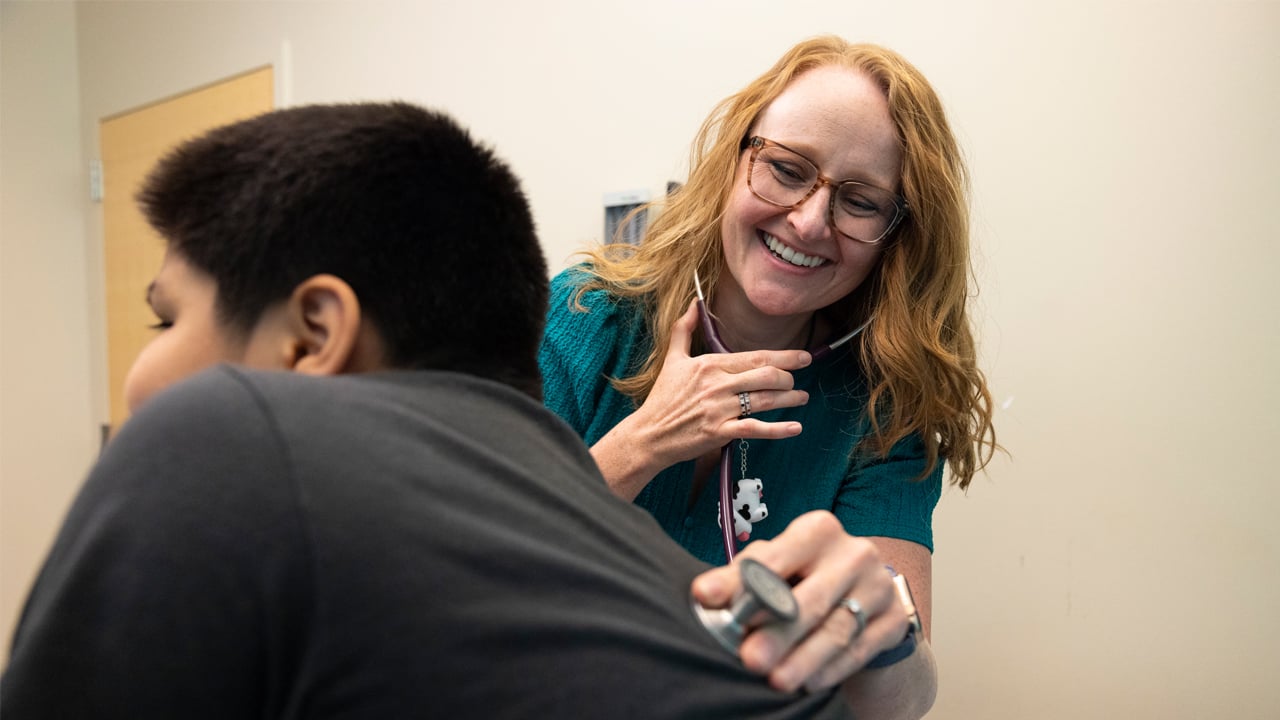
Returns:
(918,354)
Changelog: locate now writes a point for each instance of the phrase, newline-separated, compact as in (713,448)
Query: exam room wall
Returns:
(47,432)
(1122,563)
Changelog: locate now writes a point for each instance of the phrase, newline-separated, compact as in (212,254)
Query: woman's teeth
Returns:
(790,255)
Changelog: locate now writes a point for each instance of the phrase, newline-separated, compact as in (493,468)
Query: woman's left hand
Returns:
(824,645)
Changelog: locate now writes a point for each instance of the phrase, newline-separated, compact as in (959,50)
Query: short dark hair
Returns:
(429,228)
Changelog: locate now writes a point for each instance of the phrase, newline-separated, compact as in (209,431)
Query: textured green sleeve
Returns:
(884,498)
(576,348)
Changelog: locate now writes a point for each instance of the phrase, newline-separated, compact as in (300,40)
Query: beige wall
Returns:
(1121,564)
(48,434)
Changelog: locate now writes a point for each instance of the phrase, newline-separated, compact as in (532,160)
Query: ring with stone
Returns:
(859,615)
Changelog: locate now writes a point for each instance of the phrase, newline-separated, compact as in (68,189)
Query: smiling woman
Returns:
(840,119)
(783,177)
(827,196)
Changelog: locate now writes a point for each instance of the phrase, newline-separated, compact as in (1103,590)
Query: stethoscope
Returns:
(717,345)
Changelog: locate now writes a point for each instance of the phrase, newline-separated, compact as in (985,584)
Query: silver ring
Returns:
(744,402)
(859,615)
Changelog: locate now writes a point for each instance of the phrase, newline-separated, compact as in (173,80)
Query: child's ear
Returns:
(325,323)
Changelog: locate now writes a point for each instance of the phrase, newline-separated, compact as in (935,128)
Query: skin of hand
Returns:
(825,565)
(693,408)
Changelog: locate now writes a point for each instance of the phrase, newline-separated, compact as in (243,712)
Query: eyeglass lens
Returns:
(782,177)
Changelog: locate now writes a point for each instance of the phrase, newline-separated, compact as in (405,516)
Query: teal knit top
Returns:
(818,469)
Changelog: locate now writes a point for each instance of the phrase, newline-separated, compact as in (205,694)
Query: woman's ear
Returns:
(323,315)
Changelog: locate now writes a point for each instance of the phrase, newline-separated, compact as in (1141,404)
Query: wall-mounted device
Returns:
(619,224)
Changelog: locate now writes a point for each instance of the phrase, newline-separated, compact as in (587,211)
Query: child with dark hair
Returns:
(432,235)
(395,528)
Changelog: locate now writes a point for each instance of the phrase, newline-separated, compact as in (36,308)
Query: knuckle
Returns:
(820,523)
(701,369)
(818,528)
(863,552)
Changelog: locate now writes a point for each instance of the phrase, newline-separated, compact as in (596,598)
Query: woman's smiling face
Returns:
(839,119)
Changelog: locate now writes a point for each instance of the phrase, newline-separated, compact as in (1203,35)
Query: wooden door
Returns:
(131,143)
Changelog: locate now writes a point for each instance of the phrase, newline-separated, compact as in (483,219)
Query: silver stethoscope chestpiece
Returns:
(762,591)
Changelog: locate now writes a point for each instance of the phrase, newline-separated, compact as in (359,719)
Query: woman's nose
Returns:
(810,218)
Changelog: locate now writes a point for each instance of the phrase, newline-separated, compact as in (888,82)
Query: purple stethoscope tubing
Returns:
(717,345)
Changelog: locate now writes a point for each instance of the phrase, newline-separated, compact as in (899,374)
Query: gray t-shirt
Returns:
(394,545)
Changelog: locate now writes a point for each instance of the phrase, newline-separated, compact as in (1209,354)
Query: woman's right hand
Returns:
(694,408)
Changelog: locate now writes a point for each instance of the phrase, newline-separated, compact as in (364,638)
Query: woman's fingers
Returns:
(681,345)
(682,332)
(797,553)
(745,362)
(697,404)
(825,644)
(834,645)
(827,661)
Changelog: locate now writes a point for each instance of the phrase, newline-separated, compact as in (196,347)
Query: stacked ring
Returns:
(744,402)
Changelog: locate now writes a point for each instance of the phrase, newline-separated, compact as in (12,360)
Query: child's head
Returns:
(427,230)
